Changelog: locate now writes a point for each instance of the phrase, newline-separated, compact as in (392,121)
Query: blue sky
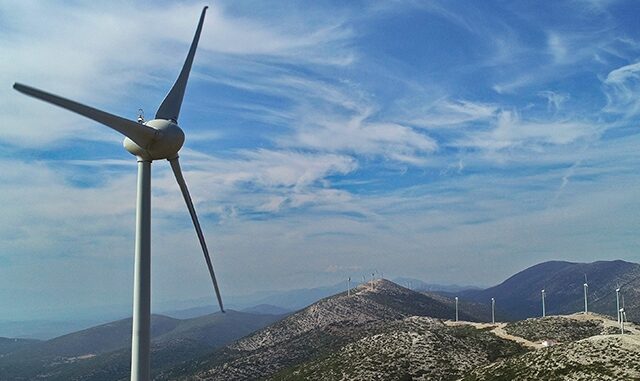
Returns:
(453,141)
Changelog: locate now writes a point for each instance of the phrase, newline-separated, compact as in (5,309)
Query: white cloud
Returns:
(555,100)
(623,90)
(511,132)
(557,47)
(448,113)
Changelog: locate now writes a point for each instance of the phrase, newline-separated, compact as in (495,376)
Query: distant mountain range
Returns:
(381,331)
(102,352)
(519,297)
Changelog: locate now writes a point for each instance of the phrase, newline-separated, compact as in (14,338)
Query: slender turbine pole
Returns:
(618,302)
(586,305)
(349,286)
(620,314)
(493,311)
(456,308)
(544,312)
(141,333)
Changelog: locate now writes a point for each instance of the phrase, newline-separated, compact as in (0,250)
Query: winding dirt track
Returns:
(498,328)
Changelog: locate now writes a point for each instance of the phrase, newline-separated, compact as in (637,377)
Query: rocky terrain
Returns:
(386,333)
(558,328)
(606,357)
(415,348)
(314,332)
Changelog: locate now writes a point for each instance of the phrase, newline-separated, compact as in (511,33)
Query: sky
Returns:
(456,142)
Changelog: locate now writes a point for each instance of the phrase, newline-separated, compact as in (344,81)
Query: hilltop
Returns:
(320,330)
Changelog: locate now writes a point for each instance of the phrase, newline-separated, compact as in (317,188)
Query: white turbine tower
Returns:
(349,286)
(544,311)
(586,289)
(456,308)
(493,311)
(623,316)
(157,139)
(618,301)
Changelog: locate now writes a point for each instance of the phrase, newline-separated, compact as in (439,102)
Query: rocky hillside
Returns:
(608,357)
(562,281)
(314,332)
(415,348)
(558,328)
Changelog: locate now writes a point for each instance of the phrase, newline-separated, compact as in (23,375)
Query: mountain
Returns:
(8,345)
(316,331)
(194,312)
(478,311)
(294,300)
(267,309)
(102,352)
(420,285)
(520,295)
(44,329)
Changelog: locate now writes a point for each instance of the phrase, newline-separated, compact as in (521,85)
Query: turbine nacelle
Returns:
(165,144)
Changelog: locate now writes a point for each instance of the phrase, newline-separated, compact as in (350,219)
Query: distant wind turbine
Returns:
(544,312)
(586,289)
(157,139)
(623,316)
(349,286)
(493,311)
(618,301)
(456,308)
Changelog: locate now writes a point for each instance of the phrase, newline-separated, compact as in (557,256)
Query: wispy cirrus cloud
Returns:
(623,90)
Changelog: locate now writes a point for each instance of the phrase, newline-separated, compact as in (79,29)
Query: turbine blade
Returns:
(170,107)
(142,135)
(175,166)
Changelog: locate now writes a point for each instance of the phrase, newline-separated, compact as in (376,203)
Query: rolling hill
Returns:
(519,296)
(314,332)
(102,352)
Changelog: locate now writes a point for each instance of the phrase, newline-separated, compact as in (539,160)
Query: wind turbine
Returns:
(349,286)
(456,308)
(544,312)
(623,316)
(493,311)
(618,301)
(586,288)
(160,138)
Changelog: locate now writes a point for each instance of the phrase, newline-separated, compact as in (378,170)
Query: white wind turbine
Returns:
(456,308)
(623,316)
(586,289)
(157,139)
(618,301)
(544,311)
(493,311)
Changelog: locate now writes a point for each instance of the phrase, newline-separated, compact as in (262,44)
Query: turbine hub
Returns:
(165,145)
